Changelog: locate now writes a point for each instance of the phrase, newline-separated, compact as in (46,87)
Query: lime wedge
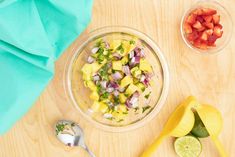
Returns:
(199,129)
(188,146)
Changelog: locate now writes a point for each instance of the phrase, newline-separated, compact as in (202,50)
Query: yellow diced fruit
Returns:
(118,115)
(87,71)
(124,60)
(141,87)
(94,96)
(117,65)
(122,98)
(96,66)
(95,106)
(115,43)
(103,107)
(122,108)
(126,81)
(145,66)
(131,89)
(91,85)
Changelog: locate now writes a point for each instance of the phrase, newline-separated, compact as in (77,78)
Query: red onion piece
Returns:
(117,55)
(113,85)
(121,89)
(110,89)
(96,78)
(103,84)
(137,51)
(128,104)
(142,53)
(137,59)
(116,93)
(90,59)
(131,54)
(126,70)
(94,50)
(107,46)
(117,75)
(142,78)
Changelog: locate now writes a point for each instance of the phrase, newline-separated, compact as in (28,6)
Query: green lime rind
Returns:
(188,146)
(199,129)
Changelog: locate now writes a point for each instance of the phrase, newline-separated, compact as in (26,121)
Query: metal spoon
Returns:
(71,134)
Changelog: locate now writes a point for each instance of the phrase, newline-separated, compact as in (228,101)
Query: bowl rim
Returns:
(210,50)
(131,31)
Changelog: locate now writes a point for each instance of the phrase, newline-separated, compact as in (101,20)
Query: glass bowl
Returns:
(80,95)
(225,21)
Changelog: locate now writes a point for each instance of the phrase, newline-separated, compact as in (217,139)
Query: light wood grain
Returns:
(209,77)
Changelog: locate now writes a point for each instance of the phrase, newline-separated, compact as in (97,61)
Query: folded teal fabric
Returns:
(33,34)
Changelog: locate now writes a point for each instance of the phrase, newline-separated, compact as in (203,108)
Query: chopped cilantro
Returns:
(120,48)
(145,108)
(120,120)
(132,42)
(59,128)
(136,109)
(147,95)
(105,95)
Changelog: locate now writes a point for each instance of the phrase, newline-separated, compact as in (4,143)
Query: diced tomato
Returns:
(216,18)
(219,25)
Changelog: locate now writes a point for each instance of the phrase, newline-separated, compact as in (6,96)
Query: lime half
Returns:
(188,146)
(199,129)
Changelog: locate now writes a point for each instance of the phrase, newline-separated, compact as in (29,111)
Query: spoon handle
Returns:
(219,146)
(90,152)
(153,147)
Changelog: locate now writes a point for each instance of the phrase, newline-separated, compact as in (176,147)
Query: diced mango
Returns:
(131,89)
(94,96)
(124,60)
(141,87)
(126,81)
(118,115)
(136,72)
(145,66)
(103,107)
(122,108)
(115,43)
(122,98)
(91,85)
(117,65)
(95,106)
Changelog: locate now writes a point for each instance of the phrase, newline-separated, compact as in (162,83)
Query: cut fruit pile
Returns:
(202,27)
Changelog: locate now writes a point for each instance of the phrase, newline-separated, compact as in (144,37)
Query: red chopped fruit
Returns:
(191,19)
(188,28)
(209,31)
(208,11)
(208,19)
(216,18)
(197,12)
(204,36)
(197,25)
(208,25)
(217,31)
(203,28)
(200,19)
(212,39)
(192,36)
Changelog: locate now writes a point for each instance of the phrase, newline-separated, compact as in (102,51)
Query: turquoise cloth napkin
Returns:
(33,34)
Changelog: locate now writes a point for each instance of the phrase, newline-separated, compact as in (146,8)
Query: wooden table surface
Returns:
(211,78)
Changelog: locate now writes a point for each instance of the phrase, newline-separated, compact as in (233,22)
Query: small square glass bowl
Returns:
(225,21)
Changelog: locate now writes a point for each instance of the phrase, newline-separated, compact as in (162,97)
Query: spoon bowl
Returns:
(71,134)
